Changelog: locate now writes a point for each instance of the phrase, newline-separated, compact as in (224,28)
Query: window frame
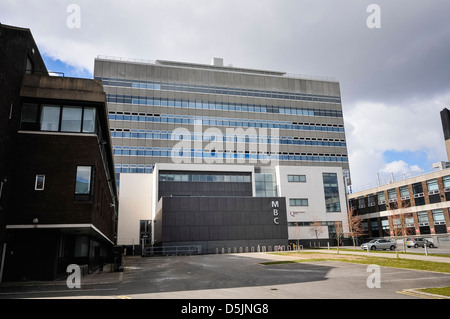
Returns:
(37,181)
(85,123)
(298,202)
(296,178)
(87,196)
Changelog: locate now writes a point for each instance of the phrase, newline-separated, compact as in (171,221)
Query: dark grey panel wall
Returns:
(204,189)
(246,220)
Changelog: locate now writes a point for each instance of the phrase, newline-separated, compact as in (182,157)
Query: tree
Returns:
(355,225)
(316,228)
(338,229)
(397,222)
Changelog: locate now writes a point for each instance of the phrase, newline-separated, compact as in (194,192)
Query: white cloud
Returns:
(394,80)
(375,128)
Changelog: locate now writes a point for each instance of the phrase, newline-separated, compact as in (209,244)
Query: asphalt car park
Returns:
(240,276)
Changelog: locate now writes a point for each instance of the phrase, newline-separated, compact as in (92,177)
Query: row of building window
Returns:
(220,106)
(418,193)
(133,168)
(221,121)
(298,202)
(423,223)
(182,153)
(297,178)
(220,178)
(58,118)
(238,138)
(178,87)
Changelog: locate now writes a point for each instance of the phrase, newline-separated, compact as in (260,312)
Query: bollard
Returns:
(426,250)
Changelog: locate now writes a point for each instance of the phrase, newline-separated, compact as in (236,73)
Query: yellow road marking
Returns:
(123,297)
(419,294)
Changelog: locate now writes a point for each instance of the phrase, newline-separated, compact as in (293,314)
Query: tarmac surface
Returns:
(239,276)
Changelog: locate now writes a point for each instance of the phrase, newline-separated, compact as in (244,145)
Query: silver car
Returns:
(375,244)
(419,242)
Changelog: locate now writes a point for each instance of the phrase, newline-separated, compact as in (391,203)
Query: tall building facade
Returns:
(219,131)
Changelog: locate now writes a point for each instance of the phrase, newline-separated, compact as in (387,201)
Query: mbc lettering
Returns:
(275,206)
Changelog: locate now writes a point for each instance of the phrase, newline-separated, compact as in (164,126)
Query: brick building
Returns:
(59,197)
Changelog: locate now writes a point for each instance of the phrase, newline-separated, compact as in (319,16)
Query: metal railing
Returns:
(172,251)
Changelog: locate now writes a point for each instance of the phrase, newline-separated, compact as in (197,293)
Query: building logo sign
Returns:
(275,206)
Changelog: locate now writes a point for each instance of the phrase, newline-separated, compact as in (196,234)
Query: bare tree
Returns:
(339,232)
(355,225)
(398,222)
(316,228)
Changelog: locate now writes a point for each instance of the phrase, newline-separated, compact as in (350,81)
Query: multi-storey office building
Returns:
(286,132)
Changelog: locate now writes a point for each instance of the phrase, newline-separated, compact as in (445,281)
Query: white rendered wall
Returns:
(135,204)
(313,190)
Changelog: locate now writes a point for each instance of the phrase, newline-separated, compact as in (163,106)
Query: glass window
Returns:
(432,185)
(330,184)
(40,182)
(298,202)
(422,218)
(71,119)
(438,217)
(297,178)
(89,120)
(404,191)
(392,194)
(446,181)
(417,188)
(83,180)
(50,118)
(29,116)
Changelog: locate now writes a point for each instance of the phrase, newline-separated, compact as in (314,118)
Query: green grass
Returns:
(385,251)
(368,260)
(444,291)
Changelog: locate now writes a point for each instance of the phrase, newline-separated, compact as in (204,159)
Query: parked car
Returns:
(379,244)
(418,242)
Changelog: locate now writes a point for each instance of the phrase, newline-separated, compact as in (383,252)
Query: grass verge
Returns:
(368,260)
(444,291)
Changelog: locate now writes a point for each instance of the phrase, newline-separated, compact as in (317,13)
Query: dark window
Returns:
(29,67)
(29,120)
(145,230)
(40,182)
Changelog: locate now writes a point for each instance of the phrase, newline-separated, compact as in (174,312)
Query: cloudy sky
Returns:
(394,79)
